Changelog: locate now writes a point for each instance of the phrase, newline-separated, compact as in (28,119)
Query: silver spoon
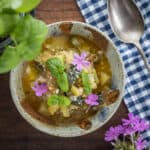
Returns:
(127,23)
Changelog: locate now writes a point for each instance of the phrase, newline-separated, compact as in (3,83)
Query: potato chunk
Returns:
(53,109)
(76,91)
(104,78)
(65,111)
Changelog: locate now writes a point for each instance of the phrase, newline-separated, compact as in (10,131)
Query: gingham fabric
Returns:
(137,92)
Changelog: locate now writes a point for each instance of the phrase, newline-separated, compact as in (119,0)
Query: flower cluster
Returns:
(129,129)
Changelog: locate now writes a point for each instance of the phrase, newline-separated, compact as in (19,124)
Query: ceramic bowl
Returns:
(118,80)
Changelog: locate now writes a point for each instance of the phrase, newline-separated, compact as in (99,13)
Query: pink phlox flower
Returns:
(134,124)
(39,88)
(141,125)
(140,143)
(113,133)
(80,61)
(131,119)
(128,130)
(92,100)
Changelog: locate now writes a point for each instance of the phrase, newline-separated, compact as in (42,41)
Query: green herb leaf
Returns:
(53,100)
(62,81)
(86,83)
(34,33)
(28,36)
(64,101)
(58,100)
(30,28)
(7,22)
(27,5)
(9,59)
(56,66)
(21,6)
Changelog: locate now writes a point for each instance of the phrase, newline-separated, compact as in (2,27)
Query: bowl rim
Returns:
(108,118)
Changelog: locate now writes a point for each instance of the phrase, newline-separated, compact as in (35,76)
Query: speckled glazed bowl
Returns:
(118,80)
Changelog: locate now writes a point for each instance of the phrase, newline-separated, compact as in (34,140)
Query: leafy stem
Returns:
(26,32)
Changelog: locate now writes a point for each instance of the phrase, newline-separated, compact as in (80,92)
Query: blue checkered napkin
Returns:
(137,93)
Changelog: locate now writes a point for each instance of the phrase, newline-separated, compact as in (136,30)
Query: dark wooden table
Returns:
(16,133)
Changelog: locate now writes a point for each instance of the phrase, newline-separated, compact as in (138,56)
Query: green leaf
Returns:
(64,101)
(58,100)
(53,100)
(10,4)
(27,51)
(62,82)
(31,33)
(28,36)
(9,59)
(86,83)
(30,28)
(21,6)
(28,5)
(8,22)
(56,66)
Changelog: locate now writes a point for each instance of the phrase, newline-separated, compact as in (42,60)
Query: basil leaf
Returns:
(27,5)
(56,66)
(7,22)
(62,82)
(86,83)
(9,59)
(58,100)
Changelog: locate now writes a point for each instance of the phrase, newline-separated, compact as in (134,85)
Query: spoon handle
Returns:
(138,45)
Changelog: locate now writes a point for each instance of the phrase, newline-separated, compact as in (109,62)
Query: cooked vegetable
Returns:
(75,42)
(43,109)
(65,111)
(31,73)
(53,109)
(104,78)
(75,90)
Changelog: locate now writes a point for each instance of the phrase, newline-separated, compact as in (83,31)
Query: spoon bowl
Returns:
(127,23)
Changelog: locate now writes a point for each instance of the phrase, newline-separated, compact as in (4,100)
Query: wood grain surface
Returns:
(16,133)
